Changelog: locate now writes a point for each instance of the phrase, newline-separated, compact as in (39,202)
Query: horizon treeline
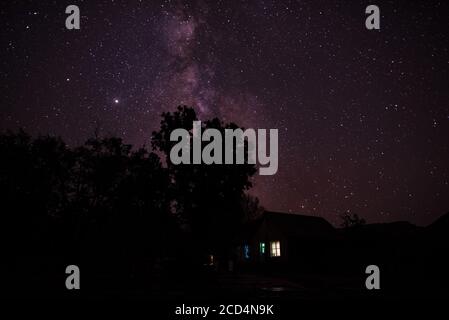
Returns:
(105,198)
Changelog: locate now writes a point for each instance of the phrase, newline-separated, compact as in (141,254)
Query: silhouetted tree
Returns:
(351,220)
(105,200)
(251,207)
(207,198)
(99,197)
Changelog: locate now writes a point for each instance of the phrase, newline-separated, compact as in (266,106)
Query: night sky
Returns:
(363,116)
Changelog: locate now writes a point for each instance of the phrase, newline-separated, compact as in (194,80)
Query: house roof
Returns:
(390,230)
(296,224)
(442,223)
(292,224)
(439,228)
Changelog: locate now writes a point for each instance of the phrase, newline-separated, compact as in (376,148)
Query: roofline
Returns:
(297,214)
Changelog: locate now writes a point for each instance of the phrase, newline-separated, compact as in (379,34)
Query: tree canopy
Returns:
(106,197)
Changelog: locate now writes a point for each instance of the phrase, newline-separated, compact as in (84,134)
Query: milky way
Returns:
(363,116)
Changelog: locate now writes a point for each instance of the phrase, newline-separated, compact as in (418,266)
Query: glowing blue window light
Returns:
(246,251)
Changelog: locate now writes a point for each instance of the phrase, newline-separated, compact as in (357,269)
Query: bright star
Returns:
(116,101)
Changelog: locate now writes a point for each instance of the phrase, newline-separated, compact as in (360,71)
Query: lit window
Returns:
(246,251)
(262,248)
(275,248)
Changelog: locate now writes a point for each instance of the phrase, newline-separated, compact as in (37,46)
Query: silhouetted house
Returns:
(382,244)
(286,239)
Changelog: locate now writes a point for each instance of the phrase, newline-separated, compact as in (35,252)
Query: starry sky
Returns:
(363,116)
